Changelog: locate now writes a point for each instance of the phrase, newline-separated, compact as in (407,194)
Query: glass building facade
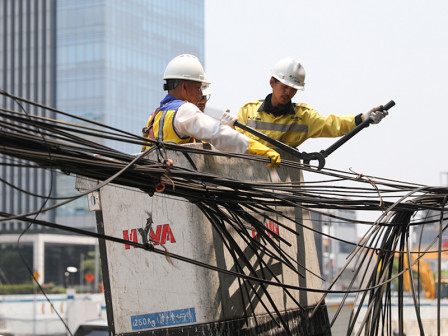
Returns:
(28,70)
(102,60)
(112,54)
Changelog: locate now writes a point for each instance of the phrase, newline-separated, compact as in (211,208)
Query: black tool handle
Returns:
(389,105)
(291,150)
(352,133)
(266,138)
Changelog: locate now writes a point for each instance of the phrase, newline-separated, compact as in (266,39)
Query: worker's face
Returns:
(193,92)
(201,103)
(281,93)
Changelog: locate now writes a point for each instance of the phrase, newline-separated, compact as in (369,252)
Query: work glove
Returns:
(376,114)
(258,148)
(228,119)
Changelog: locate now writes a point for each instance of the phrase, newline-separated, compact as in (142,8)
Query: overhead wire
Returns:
(234,205)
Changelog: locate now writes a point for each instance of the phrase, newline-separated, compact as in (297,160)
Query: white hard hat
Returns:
(186,67)
(290,72)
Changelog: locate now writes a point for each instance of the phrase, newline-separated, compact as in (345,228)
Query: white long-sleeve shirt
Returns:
(190,121)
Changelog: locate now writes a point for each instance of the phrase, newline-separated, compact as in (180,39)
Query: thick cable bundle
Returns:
(37,142)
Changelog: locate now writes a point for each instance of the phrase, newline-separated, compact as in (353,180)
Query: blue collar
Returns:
(168,98)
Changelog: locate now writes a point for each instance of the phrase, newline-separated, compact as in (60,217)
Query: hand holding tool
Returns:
(320,156)
(324,153)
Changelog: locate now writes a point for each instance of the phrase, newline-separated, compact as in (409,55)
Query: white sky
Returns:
(357,55)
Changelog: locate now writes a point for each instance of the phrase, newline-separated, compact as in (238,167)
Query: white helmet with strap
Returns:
(185,67)
(290,72)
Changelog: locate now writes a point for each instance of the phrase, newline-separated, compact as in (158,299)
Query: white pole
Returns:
(34,307)
(96,281)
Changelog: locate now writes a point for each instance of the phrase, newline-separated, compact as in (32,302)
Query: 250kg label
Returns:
(163,319)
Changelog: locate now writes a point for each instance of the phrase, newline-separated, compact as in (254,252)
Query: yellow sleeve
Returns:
(328,126)
(242,118)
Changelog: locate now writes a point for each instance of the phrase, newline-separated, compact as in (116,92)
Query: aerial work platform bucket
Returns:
(154,294)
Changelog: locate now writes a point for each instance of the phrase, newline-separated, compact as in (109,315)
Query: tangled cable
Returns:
(231,205)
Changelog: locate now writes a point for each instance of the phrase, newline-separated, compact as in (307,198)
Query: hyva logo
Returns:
(272,227)
(160,235)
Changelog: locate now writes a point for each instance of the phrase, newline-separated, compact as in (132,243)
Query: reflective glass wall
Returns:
(111,55)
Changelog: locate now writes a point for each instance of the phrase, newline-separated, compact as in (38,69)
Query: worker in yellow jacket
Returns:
(292,123)
(179,120)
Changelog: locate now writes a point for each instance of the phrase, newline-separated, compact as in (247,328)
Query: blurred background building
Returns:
(102,60)
(333,253)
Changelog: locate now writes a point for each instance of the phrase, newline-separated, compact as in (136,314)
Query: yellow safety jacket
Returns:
(160,124)
(296,124)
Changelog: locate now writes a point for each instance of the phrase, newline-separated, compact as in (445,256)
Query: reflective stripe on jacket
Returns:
(294,127)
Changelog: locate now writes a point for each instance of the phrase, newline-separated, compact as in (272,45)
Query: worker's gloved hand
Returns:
(376,114)
(228,119)
(258,148)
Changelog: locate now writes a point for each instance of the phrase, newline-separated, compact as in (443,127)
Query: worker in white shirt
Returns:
(178,118)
